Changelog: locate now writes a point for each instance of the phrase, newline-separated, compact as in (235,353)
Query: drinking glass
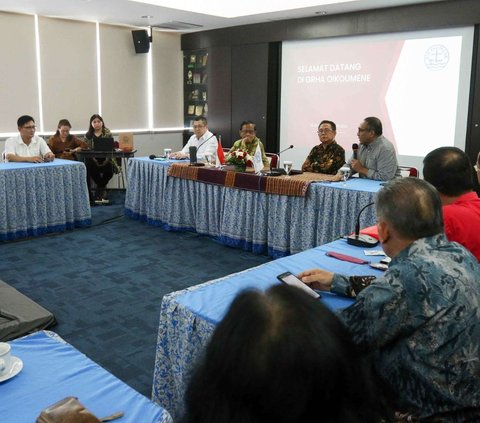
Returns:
(345,170)
(287,165)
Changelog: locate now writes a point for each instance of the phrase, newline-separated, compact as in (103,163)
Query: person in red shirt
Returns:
(450,171)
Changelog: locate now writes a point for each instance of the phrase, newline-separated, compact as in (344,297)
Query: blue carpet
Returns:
(104,284)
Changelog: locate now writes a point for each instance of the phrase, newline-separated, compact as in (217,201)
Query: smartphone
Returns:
(292,280)
(379,266)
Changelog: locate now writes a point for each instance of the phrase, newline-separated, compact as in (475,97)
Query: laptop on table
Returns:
(103,144)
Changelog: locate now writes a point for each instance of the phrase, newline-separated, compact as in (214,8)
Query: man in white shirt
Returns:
(202,138)
(26,146)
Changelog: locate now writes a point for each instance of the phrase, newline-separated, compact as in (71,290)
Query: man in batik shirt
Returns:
(327,157)
(420,321)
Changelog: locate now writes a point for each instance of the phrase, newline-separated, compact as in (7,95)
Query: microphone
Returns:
(283,151)
(361,240)
(355,150)
(152,156)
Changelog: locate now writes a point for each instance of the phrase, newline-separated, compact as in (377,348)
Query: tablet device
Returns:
(292,280)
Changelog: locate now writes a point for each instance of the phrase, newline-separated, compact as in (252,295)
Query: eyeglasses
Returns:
(30,127)
(363,129)
(324,131)
(198,126)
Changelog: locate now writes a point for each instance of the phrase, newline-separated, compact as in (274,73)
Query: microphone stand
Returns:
(361,240)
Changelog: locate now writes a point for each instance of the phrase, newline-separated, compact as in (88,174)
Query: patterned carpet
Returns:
(105,284)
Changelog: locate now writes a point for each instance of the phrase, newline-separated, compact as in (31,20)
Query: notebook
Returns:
(103,144)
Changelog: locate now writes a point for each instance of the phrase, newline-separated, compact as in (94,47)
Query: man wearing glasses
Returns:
(26,146)
(376,156)
(202,138)
(327,157)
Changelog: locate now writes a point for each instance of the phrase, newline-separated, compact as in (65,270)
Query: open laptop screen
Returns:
(103,144)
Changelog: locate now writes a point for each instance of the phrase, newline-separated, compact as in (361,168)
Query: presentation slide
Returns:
(417,83)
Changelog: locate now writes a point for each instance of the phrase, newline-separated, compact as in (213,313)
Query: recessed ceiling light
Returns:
(146,17)
(321,13)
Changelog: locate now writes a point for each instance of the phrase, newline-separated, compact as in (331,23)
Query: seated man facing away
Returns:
(376,155)
(281,356)
(421,320)
(327,157)
(449,170)
(26,146)
(205,141)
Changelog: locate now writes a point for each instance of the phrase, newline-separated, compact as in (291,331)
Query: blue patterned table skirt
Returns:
(188,317)
(277,225)
(39,198)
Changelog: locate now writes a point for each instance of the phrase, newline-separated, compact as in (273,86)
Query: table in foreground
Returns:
(188,317)
(255,221)
(39,198)
(53,370)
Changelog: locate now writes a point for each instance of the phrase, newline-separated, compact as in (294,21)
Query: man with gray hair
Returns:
(421,319)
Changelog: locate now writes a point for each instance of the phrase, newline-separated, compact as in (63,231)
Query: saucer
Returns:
(15,368)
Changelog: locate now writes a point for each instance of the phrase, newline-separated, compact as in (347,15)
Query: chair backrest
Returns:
(273,157)
(408,171)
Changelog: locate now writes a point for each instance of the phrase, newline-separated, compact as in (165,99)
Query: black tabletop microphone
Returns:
(152,156)
(355,150)
(283,151)
(193,154)
(361,240)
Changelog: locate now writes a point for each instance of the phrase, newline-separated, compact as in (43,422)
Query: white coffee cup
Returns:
(5,358)
(167,152)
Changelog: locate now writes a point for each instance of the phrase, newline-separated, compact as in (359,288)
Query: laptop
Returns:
(103,144)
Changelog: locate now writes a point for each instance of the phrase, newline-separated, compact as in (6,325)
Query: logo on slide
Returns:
(436,57)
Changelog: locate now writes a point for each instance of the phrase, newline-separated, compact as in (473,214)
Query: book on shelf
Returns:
(197,77)
(198,110)
(191,109)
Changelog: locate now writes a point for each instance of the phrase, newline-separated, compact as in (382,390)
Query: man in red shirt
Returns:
(449,170)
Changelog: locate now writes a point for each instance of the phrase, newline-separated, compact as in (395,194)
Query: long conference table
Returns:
(264,223)
(53,370)
(39,198)
(188,317)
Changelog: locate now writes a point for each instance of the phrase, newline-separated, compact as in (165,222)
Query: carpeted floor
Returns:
(105,284)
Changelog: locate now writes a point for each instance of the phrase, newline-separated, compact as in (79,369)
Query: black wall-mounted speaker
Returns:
(141,41)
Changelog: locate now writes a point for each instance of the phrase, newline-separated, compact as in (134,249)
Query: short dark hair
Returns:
(248,122)
(412,206)
(449,170)
(22,120)
(201,119)
(332,124)
(374,124)
(281,356)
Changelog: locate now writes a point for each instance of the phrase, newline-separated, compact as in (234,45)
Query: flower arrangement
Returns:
(239,158)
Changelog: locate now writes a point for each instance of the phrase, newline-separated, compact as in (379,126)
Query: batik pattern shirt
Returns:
(250,148)
(421,323)
(325,159)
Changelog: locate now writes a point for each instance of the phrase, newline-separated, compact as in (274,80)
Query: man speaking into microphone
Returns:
(376,157)
(205,141)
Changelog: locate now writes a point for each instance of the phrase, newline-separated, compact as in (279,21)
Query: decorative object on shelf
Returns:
(197,77)
(191,109)
(239,158)
(189,77)
(193,59)
(198,110)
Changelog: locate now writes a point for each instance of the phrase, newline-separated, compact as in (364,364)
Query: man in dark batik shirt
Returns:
(327,157)
(420,321)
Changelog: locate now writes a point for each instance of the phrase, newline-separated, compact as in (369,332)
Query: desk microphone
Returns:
(152,156)
(283,151)
(355,150)
(361,240)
